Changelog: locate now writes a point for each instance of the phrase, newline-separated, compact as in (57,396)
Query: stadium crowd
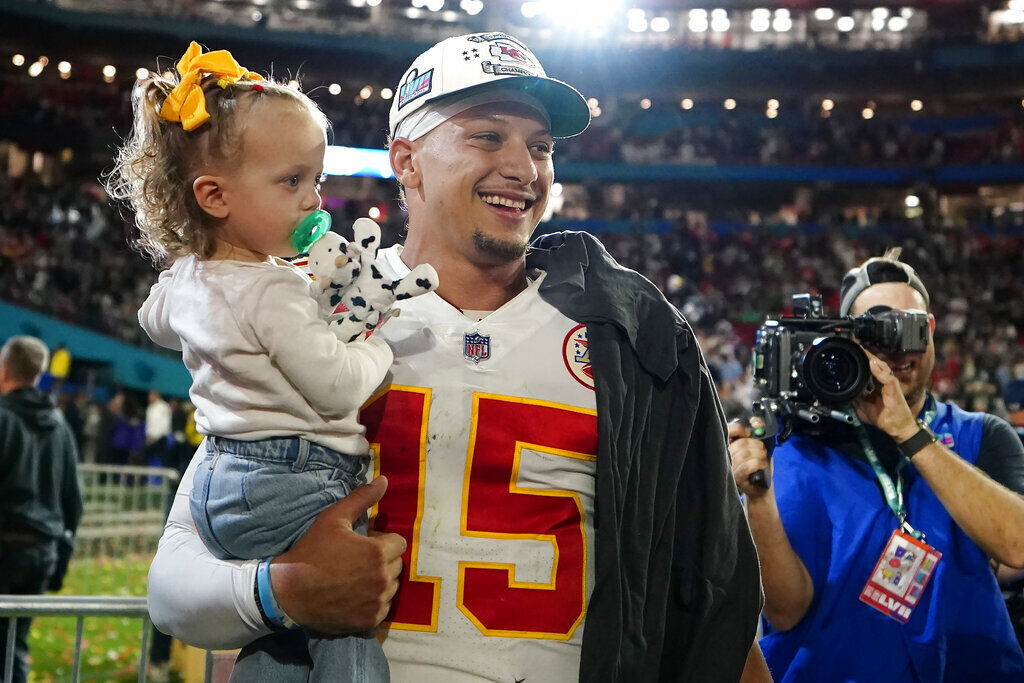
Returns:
(63,252)
(85,116)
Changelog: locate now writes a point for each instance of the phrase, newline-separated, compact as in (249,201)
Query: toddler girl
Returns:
(221,167)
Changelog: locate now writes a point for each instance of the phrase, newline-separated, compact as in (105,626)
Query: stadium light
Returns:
(556,189)
(878,23)
(697,20)
(435,5)
(899,23)
(334,89)
(18,60)
(771,113)
(719,20)
(373,213)
(824,14)
(881,12)
(687,104)
(845,24)
(782,22)
(912,201)
(64,67)
(659,24)
(593,102)
(645,103)
(531,9)
(867,113)
(35,69)
(760,20)
(418,4)
(773,103)
(449,16)
(729,104)
(595,112)
(109,71)
(413,13)
(636,20)
(372,3)
(142,73)
(293,84)
(366,92)
(471,7)
(827,105)
(357,3)
(386,94)
(907,12)
(302,4)
(581,14)
(917,105)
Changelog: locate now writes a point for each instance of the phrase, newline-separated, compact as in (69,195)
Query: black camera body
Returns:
(808,366)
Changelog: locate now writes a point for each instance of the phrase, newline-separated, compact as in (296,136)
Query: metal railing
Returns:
(125,507)
(14,606)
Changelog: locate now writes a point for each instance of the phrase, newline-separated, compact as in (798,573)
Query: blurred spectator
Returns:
(157,429)
(1013,397)
(128,441)
(60,366)
(40,500)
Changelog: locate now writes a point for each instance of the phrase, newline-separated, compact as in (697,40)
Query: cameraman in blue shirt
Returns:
(880,540)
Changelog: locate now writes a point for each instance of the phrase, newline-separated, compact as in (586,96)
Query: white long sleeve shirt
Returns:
(264,363)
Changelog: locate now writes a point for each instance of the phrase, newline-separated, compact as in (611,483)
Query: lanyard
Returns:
(893,492)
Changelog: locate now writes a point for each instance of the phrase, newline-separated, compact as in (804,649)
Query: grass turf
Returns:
(110,645)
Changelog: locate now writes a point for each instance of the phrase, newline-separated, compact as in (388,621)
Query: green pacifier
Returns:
(313,227)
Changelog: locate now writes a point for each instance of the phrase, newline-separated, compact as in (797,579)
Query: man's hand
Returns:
(885,406)
(334,580)
(749,455)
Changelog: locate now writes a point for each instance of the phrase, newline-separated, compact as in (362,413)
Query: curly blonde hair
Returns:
(155,167)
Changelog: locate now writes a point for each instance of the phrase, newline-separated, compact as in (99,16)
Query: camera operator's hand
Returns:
(749,455)
(885,406)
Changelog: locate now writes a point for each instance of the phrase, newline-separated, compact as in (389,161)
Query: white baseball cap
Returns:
(480,62)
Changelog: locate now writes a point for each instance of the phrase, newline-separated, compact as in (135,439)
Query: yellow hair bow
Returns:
(187,102)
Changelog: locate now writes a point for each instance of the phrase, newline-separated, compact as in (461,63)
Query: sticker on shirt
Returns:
(899,579)
(576,354)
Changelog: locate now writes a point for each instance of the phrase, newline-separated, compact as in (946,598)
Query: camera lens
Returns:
(835,370)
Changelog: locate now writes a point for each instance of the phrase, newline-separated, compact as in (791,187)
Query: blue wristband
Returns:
(267,600)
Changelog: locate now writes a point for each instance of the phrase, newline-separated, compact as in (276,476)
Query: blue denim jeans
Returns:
(254,499)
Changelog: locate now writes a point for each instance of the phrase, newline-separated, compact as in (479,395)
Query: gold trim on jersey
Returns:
(421,479)
(510,568)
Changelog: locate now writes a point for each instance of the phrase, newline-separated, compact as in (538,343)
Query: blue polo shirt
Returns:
(836,518)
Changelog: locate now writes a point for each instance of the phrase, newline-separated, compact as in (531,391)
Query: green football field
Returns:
(110,645)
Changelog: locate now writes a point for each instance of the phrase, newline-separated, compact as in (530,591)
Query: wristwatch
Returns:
(924,437)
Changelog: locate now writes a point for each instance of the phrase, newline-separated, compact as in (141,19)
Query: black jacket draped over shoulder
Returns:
(677,588)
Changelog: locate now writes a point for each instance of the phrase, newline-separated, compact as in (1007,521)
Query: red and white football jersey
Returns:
(487,432)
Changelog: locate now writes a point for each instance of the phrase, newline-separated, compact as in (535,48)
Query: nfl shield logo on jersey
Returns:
(477,347)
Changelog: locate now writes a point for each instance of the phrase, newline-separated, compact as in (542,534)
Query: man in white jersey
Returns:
(497,431)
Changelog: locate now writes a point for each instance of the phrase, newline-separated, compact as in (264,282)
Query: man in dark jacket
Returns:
(40,500)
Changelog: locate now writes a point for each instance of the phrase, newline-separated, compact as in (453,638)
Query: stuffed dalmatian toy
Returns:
(348,273)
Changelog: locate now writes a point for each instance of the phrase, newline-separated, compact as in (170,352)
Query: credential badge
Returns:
(477,347)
